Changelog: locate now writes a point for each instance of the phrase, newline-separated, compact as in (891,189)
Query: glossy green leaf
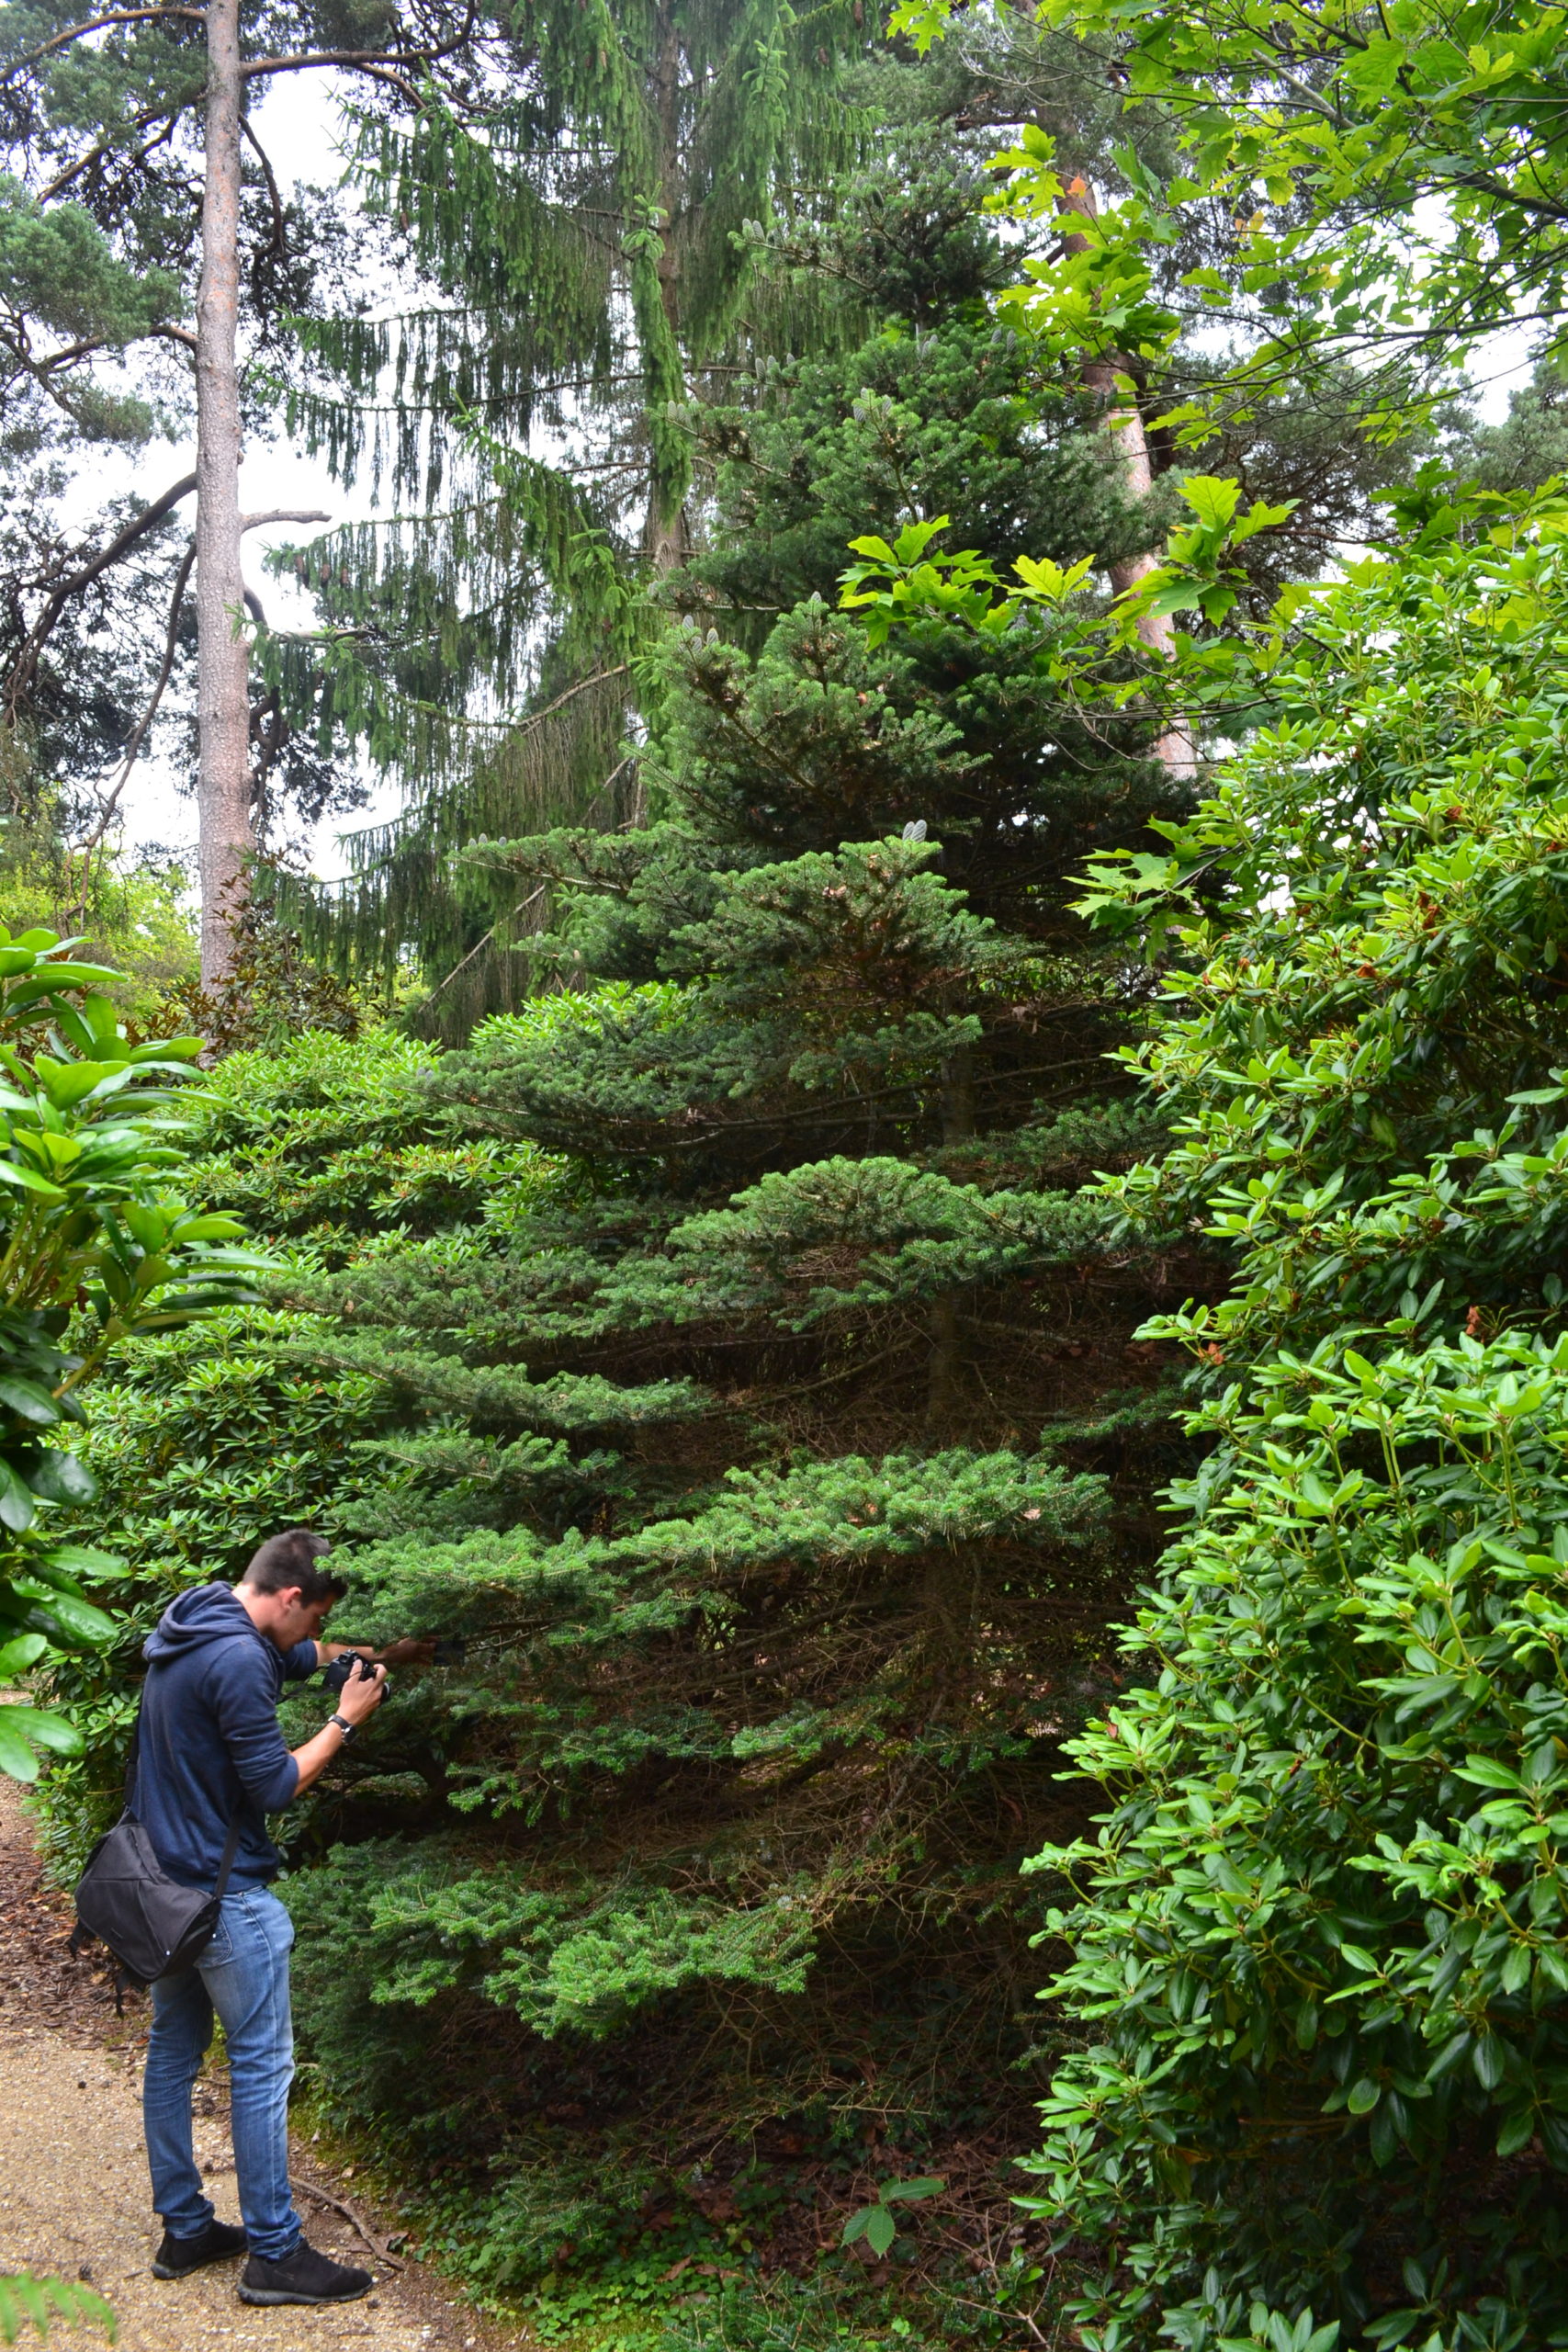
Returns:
(26,1398)
(60,1478)
(65,1616)
(46,1730)
(18,1761)
(17,1506)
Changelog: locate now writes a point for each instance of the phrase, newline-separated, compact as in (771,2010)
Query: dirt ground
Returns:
(74,2196)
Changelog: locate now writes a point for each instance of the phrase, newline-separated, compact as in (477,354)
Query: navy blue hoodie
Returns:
(210,1741)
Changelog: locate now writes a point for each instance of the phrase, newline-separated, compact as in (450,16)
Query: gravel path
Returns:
(73,2197)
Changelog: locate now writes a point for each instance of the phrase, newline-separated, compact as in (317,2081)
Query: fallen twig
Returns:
(356,2221)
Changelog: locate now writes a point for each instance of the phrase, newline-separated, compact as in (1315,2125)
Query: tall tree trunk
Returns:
(223,789)
(666,535)
(944,1323)
(1125,426)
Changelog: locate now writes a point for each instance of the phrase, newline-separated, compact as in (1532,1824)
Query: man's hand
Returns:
(406,1652)
(359,1697)
(361,1694)
(410,1651)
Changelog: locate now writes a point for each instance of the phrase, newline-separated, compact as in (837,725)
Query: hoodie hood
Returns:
(209,1613)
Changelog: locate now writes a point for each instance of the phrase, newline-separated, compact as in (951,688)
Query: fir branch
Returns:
(415,819)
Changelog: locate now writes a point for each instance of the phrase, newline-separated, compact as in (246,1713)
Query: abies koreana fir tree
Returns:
(573,203)
(718,1439)
(746,1387)
(926,408)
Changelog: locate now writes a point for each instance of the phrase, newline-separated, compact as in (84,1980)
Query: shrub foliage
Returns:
(1318,1945)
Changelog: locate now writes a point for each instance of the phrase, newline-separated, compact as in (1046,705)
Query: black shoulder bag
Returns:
(154,1926)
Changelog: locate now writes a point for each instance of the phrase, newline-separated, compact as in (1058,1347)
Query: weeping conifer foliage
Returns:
(573,201)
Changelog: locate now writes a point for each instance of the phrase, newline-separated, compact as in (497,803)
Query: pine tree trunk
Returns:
(223,789)
(1126,428)
(665,534)
(945,1325)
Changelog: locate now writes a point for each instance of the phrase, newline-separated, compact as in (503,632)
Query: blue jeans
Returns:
(243,1975)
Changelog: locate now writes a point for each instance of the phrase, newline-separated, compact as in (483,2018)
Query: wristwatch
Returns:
(344,1725)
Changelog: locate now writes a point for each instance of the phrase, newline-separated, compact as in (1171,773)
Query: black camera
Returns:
(344,1670)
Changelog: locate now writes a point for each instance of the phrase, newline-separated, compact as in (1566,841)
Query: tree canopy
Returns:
(1396,186)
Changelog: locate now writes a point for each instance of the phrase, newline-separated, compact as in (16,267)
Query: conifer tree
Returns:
(758,1403)
(524,440)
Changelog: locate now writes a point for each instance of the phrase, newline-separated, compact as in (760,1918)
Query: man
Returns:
(211,1753)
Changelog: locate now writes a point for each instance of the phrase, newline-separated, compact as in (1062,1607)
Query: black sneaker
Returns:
(302,2277)
(177,2257)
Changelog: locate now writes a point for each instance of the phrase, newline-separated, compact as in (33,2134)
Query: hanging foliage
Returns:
(576,213)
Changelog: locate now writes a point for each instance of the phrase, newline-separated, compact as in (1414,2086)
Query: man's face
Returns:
(299,1619)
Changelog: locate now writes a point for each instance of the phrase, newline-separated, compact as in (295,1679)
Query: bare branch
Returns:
(67,355)
(139,733)
(283,515)
(279,227)
(356,2221)
(167,116)
(532,896)
(378,69)
(380,64)
(14,343)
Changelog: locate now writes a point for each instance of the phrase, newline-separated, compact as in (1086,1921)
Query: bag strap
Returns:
(229,1847)
(131,1760)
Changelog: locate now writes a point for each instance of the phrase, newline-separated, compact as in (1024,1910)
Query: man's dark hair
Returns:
(289,1559)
